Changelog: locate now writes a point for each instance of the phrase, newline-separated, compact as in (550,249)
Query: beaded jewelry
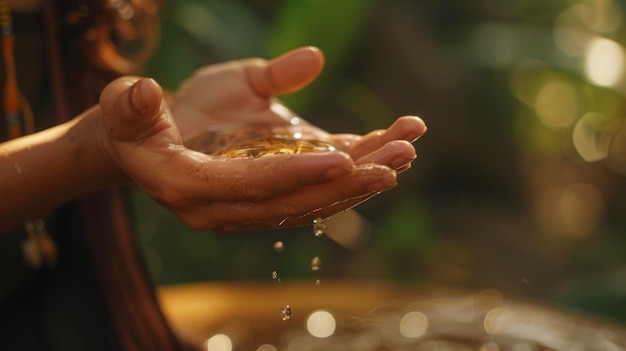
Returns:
(39,246)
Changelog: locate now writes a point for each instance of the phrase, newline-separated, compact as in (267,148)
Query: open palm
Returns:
(146,140)
(243,92)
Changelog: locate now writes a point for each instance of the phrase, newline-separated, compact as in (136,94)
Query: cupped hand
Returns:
(224,194)
(244,91)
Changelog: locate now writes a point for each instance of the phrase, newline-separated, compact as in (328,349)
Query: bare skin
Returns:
(133,136)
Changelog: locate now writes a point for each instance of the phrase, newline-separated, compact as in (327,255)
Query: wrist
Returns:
(43,170)
(94,152)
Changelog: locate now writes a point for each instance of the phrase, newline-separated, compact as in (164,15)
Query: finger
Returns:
(396,155)
(406,128)
(129,105)
(364,180)
(210,179)
(287,73)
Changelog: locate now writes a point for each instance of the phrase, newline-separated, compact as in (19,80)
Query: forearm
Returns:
(41,171)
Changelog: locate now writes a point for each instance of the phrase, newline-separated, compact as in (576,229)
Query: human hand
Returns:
(225,194)
(243,91)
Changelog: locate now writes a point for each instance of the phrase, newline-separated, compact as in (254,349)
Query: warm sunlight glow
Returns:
(604,62)
(601,16)
(557,104)
(573,210)
(570,35)
(219,342)
(413,324)
(267,347)
(321,324)
(587,137)
(348,229)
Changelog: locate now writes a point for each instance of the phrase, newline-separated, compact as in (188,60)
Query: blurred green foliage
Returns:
(498,198)
(333,27)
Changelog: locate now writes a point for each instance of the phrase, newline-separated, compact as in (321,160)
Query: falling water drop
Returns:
(279,246)
(275,276)
(315,264)
(319,227)
(285,313)
(317,282)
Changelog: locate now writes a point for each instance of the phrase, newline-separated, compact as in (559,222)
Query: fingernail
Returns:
(137,100)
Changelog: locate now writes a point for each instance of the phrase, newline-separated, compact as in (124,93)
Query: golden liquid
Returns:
(257,142)
(275,146)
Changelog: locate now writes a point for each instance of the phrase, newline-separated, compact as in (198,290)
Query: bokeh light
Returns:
(604,62)
(321,324)
(571,36)
(266,347)
(413,324)
(587,137)
(557,104)
(348,229)
(601,16)
(219,342)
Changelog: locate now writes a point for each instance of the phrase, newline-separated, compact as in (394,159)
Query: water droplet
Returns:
(315,263)
(285,313)
(317,282)
(275,276)
(319,227)
(279,246)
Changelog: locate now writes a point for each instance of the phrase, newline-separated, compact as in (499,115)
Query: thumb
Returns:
(287,73)
(129,105)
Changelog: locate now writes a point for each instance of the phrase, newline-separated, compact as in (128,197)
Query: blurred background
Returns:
(519,183)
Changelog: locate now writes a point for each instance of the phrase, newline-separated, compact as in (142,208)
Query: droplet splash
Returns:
(319,227)
(285,313)
(315,264)
(279,246)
